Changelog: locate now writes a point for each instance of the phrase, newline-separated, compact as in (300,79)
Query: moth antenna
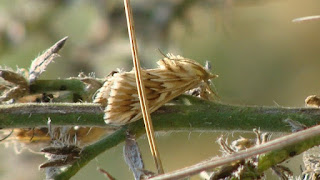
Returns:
(163,54)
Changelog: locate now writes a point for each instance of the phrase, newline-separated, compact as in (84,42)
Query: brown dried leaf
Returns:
(13,93)
(65,150)
(60,156)
(14,78)
(17,85)
(39,65)
(66,160)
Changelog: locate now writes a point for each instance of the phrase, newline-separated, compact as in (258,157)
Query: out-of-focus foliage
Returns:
(261,56)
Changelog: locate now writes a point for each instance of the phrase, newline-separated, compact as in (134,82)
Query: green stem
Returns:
(200,115)
(28,115)
(74,85)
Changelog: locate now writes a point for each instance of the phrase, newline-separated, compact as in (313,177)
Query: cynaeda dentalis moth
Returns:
(174,76)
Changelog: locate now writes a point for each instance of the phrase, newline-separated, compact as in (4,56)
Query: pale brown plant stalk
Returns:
(141,88)
(306,18)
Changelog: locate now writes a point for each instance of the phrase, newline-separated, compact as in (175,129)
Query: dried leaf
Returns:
(133,157)
(14,78)
(174,76)
(60,156)
(63,161)
(39,65)
(17,85)
(65,150)
(13,93)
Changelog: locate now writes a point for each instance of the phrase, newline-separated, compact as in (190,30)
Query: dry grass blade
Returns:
(141,88)
(306,18)
(41,62)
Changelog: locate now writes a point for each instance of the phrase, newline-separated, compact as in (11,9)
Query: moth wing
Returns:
(122,102)
(103,93)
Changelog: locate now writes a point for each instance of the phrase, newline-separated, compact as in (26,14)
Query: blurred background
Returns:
(261,56)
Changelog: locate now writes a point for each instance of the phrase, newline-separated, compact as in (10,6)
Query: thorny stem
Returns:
(141,88)
(198,115)
(28,115)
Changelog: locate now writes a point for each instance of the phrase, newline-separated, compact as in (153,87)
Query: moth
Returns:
(174,76)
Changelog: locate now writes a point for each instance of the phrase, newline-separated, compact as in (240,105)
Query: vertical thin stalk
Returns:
(141,88)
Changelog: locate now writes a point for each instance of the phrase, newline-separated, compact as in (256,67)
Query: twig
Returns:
(141,88)
(310,136)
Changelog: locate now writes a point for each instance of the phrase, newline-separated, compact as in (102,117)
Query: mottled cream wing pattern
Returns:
(174,76)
